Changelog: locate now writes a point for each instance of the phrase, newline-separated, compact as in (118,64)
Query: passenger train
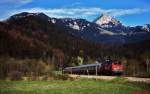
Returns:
(108,67)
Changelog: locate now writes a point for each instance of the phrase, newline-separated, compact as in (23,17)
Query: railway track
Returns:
(132,79)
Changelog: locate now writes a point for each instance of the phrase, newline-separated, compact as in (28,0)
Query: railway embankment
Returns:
(132,79)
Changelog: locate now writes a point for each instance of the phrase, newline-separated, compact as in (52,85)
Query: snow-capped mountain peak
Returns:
(146,27)
(107,21)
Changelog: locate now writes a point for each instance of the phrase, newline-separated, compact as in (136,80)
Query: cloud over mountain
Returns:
(82,12)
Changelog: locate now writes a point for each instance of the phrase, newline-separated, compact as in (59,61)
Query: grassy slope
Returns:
(83,86)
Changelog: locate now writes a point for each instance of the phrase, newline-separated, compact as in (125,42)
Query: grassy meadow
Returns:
(79,86)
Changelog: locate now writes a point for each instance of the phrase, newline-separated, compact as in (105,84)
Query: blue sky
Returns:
(130,12)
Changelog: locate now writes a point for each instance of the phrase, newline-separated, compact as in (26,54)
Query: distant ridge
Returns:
(104,30)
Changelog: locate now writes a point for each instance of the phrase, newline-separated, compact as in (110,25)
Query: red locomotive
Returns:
(108,67)
(112,67)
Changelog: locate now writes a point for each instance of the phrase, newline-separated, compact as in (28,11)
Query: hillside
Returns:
(36,36)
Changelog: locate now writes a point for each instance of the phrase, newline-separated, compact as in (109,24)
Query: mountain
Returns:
(146,27)
(26,14)
(104,30)
(35,35)
(112,24)
(107,21)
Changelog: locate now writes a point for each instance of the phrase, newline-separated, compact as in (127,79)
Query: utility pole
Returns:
(96,70)
(147,64)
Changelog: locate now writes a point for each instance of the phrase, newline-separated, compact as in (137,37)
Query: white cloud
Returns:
(81,12)
(121,12)
(13,4)
(75,4)
(15,1)
(25,1)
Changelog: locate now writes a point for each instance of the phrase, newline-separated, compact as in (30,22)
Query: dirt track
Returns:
(134,79)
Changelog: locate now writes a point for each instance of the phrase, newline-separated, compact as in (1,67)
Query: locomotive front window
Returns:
(119,63)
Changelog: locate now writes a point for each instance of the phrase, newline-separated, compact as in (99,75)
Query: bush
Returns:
(62,77)
(15,75)
(59,76)
(142,75)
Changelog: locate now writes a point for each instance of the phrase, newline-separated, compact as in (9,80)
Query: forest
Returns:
(34,47)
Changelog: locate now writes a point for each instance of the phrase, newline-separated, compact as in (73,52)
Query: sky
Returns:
(129,12)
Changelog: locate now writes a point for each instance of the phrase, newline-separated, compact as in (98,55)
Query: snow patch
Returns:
(111,33)
(88,24)
(53,21)
(74,26)
(146,27)
(75,23)
(107,33)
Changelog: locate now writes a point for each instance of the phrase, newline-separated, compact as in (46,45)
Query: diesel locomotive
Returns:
(108,67)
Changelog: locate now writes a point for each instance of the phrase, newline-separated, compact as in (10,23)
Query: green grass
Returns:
(81,86)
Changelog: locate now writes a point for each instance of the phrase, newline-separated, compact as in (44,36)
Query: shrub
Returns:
(59,76)
(15,75)
(62,77)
